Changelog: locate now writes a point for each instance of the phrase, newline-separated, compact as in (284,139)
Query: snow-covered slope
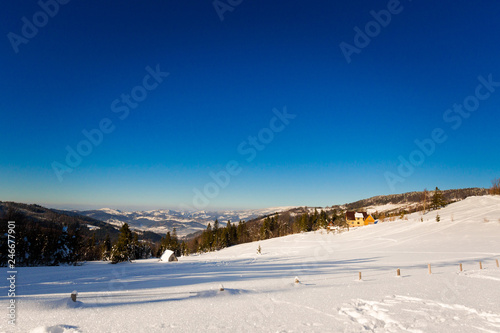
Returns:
(161,221)
(259,290)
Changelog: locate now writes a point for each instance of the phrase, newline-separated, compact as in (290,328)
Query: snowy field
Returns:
(260,294)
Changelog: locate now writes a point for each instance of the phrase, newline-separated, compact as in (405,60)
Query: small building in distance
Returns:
(168,256)
(331,227)
(369,220)
(358,219)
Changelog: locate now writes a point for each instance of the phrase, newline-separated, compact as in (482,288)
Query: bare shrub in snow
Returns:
(495,186)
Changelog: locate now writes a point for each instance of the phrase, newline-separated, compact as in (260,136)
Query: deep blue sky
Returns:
(353,120)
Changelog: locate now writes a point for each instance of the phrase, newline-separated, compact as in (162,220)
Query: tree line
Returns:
(217,237)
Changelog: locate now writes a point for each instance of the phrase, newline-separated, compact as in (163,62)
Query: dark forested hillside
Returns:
(415,197)
(50,237)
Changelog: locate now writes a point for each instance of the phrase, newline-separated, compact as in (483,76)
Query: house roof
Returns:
(166,255)
(352,215)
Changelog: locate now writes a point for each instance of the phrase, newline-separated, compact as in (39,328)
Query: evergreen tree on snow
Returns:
(106,248)
(184,249)
(242,233)
(224,238)
(174,245)
(122,250)
(265,228)
(438,199)
(216,240)
(64,251)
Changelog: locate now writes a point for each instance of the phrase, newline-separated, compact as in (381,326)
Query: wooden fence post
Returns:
(398,272)
(429,266)
(480,265)
(460,267)
(497,262)
(359,276)
(73,295)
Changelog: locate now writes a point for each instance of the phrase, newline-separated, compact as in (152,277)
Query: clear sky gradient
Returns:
(350,122)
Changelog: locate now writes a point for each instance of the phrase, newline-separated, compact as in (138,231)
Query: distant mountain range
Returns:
(57,219)
(155,223)
(162,221)
(188,223)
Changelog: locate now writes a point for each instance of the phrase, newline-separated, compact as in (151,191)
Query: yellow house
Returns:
(355,219)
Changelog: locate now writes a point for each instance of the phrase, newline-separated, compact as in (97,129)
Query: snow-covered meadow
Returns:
(260,294)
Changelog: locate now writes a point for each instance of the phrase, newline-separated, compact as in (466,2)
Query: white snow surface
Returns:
(385,208)
(260,294)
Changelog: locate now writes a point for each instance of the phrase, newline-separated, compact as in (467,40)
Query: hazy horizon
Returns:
(132,207)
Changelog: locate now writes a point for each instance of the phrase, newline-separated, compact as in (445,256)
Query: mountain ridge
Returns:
(190,223)
(164,220)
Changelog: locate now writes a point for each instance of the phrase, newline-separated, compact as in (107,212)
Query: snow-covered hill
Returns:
(161,221)
(260,294)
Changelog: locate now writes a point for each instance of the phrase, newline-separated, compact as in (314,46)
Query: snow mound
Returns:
(56,329)
(65,303)
(221,293)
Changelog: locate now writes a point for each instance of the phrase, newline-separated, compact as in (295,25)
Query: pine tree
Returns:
(224,238)
(136,249)
(207,239)
(184,249)
(242,232)
(265,228)
(313,223)
(304,222)
(90,250)
(233,234)
(174,243)
(322,220)
(166,242)
(229,240)
(63,253)
(216,238)
(438,199)
(273,225)
(335,217)
(106,248)
(121,251)
(75,245)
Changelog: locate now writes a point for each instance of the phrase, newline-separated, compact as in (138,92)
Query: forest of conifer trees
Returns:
(276,225)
